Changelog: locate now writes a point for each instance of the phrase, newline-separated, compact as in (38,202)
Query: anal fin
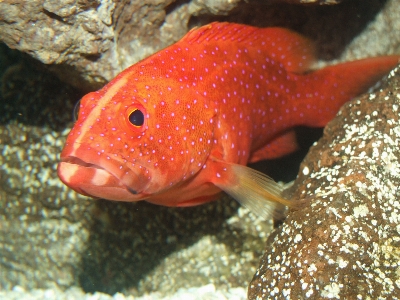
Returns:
(278,147)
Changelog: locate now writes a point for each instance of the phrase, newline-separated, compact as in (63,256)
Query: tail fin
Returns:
(325,91)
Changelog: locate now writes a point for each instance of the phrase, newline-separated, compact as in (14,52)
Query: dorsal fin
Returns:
(296,53)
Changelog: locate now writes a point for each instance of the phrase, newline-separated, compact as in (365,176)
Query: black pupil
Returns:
(136,118)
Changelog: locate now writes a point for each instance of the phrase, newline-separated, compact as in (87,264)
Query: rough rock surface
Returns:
(321,2)
(95,40)
(86,43)
(75,34)
(207,292)
(54,238)
(345,244)
(50,237)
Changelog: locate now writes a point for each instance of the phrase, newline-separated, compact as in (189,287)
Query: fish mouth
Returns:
(105,179)
(80,162)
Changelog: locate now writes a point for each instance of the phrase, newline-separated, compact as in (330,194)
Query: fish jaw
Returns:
(94,182)
(101,176)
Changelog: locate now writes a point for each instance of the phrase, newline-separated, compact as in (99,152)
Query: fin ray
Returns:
(253,189)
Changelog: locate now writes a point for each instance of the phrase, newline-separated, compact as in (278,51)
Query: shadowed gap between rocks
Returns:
(332,27)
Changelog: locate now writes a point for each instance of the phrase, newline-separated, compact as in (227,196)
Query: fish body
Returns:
(179,126)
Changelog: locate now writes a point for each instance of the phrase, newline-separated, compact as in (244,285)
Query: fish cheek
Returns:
(200,139)
(177,137)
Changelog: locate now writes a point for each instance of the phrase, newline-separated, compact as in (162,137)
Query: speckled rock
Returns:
(86,43)
(52,238)
(345,243)
(41,239)
(312,2)
(207,292)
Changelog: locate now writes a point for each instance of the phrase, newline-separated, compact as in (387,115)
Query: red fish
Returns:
(178,127)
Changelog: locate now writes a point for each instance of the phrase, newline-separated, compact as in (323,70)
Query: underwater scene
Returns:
(190,149)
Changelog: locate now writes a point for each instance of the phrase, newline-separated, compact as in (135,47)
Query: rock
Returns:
(345,244)
(86,43)
(320,2)
(207,292)
(95,40)
(52,238)
(75,34)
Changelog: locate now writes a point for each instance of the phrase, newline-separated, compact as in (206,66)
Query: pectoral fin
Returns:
(253,189)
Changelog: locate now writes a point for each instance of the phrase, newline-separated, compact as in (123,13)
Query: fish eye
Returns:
(136,118)
(75,113)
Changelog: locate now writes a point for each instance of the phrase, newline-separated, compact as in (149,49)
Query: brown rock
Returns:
(52,237)
(320,2)
(346,243)
(95,40)
(86,43)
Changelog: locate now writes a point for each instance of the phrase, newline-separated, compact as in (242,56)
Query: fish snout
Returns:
(103,178)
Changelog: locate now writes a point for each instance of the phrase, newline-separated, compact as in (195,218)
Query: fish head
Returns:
(140,135)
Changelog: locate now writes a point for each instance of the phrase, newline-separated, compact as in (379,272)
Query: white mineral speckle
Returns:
(341,262)
(306,170)
(312,268)
(297,238)
(360,211)
(331,291)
